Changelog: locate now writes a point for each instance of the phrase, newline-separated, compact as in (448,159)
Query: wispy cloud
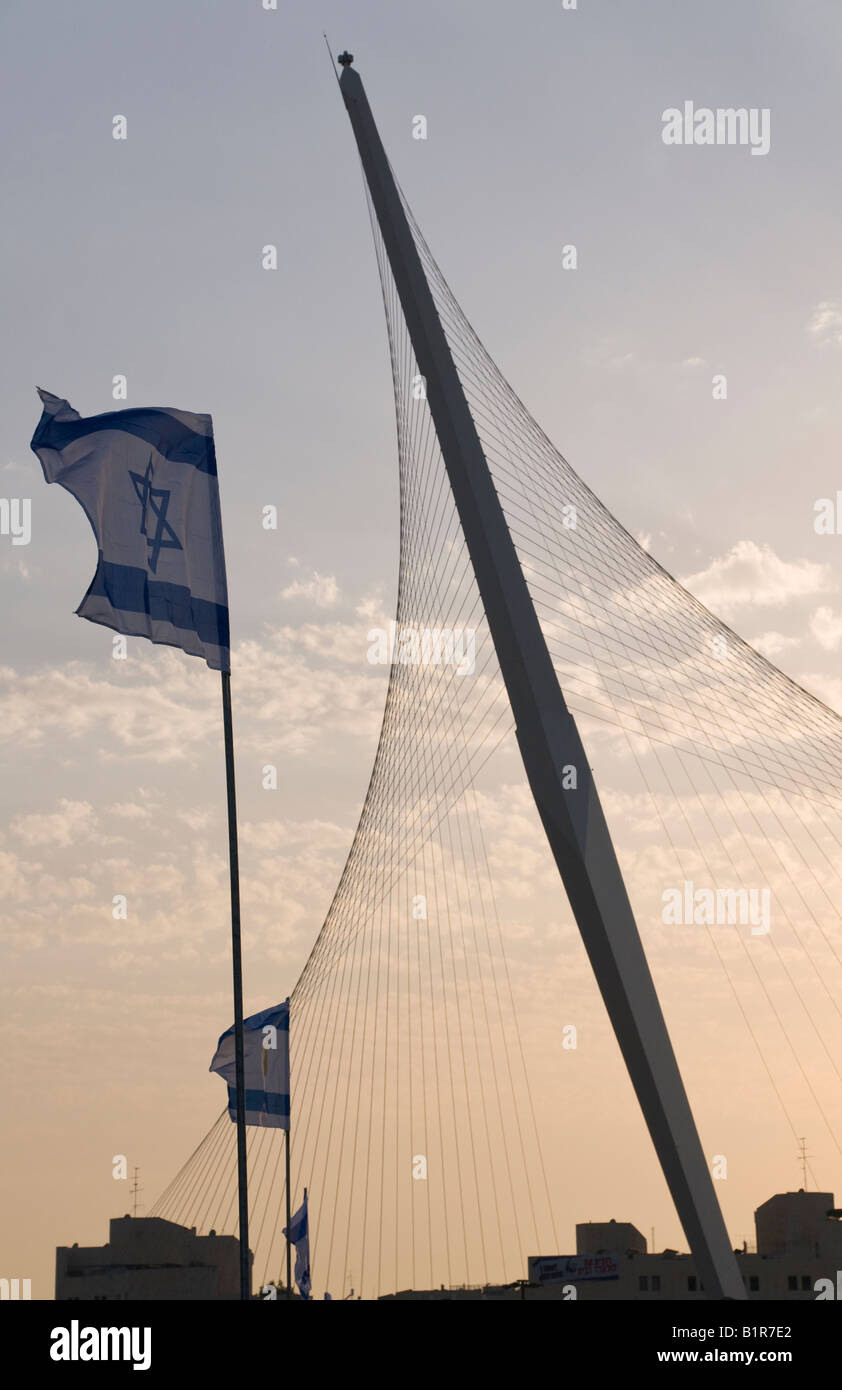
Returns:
(826,322)
(162,708)
(773,643)
(74,820)
(753,575)
(321,589)
(826,627)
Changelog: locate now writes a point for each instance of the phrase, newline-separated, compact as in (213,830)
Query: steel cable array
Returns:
(405,1043)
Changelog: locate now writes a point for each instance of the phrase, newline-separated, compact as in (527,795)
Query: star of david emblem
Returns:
(155,500)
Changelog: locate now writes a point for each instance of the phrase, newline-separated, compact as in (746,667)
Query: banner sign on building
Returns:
(563,1269)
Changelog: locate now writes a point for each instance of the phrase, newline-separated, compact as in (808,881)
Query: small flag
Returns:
(266,1054)
(147,482)
(298,1235)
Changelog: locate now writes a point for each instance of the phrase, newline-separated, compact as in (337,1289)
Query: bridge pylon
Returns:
(549,740)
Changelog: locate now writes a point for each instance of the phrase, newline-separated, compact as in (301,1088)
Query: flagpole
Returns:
(289,1213)
(236,953)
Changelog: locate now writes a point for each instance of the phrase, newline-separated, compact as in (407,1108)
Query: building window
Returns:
(656,1283)
(691,1283)
(753,1283)
(643,1283)
(805,1282)
(792,1282)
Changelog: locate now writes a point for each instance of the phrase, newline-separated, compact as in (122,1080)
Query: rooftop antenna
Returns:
(135,1188)
(803,1156)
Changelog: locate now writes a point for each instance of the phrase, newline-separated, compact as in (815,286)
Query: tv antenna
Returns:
(135,1188)
(803,1156)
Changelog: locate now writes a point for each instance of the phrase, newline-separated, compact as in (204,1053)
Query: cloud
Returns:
(75,820)
(155,706)
(15,885)
(162,707)
(197,820)
(129,810)
(826,688)
(371,608)
(771,644)
(826,322)
(280,687)
(322,590)
(751,574)
(693,362)
(345,643)
(281,835)
(826,628)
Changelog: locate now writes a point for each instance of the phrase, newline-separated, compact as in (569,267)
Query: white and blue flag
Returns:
(147,482)
(266,1053)
(298,1235)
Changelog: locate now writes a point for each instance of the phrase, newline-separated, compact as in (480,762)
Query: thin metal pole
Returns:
(289,1221)
(236,955)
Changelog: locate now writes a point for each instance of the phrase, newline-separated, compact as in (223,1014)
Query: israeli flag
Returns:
(298,1235)
(266,1052)
(147,481)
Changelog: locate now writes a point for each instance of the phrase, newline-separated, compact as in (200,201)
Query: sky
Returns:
(143,258)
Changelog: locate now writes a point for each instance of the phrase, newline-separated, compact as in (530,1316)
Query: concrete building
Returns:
(147,1258)
(806,1223)
(799,1242)
(595,1236)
